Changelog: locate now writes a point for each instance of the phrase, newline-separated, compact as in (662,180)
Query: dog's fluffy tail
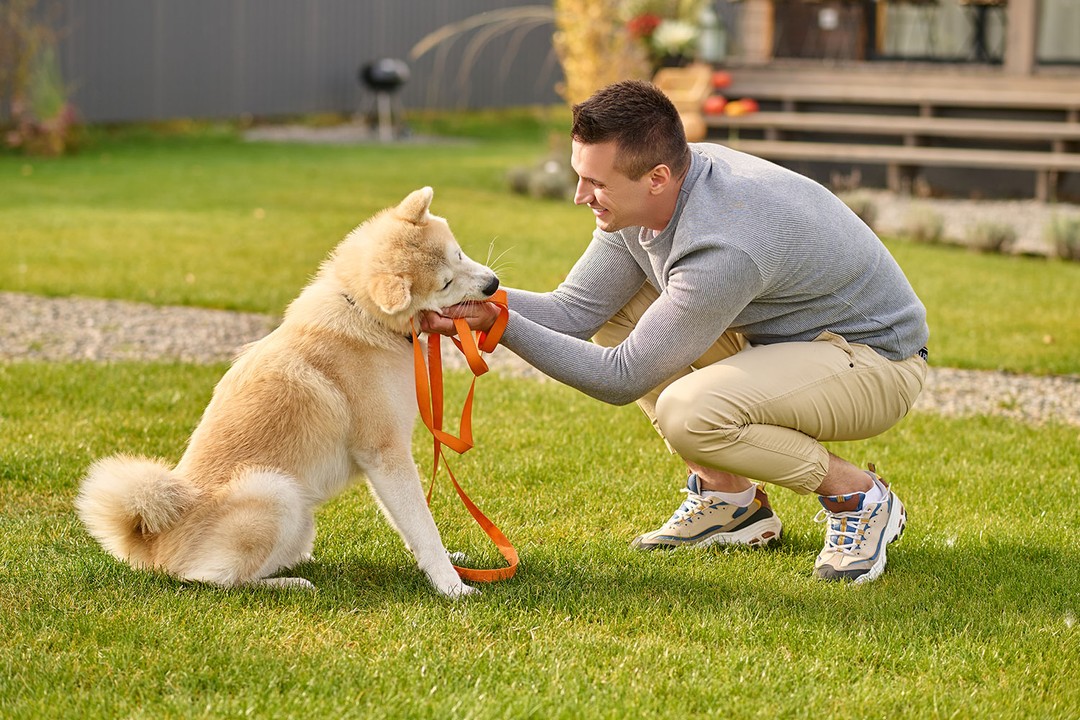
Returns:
(126,501)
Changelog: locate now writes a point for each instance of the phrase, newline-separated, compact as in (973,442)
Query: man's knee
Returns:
(690,426)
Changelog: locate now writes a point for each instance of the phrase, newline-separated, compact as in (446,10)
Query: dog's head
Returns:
(405,260)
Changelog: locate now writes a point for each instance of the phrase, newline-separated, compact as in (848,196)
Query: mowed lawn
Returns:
(976,616)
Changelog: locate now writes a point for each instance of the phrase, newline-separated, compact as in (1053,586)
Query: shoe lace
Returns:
(694,504)
(846,530)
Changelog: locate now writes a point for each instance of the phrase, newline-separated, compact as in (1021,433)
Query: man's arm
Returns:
(700,302)
(603,279)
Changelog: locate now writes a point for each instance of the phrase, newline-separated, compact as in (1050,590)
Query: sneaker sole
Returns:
(893,531)
(760,534)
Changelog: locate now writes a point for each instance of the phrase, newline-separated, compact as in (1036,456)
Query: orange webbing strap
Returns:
(429,399)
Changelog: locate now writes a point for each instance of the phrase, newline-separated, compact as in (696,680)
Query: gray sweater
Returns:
(751,247)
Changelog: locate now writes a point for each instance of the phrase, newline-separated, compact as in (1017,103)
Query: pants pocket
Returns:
(837,340)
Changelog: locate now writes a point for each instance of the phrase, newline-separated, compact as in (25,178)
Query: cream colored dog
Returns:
(323,398)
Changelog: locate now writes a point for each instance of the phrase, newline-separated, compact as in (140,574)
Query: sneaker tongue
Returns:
(693,484)
(852,502)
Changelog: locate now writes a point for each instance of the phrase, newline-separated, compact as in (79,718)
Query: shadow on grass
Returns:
(989,584)
(989,587)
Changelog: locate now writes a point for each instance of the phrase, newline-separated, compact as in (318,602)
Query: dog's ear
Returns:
(390,293)
(414,208)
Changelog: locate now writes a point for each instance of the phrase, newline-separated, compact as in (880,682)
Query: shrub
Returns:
(864,207)
(991,237)
(42,119)
(550,179)
(594,47)
(1063,232)
(925,226)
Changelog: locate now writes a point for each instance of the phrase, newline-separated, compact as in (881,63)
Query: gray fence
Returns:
(131,60)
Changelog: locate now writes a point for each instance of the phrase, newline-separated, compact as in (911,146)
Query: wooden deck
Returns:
(906,120)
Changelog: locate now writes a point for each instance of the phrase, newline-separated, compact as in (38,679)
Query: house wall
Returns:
(942,30)
(135,60)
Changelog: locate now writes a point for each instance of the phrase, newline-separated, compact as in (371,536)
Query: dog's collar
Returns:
(352,303)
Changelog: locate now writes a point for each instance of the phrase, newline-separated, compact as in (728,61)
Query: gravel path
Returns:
(58,329)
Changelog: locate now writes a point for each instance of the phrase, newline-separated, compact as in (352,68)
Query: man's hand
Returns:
(479,315)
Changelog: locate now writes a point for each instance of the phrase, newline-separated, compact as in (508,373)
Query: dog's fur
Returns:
(325,397)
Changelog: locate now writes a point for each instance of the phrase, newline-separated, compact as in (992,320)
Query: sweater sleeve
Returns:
(705,290)
(603,279)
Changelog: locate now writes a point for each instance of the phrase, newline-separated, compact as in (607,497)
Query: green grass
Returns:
(976,616)
(220,223)
(202,218)
(996,312)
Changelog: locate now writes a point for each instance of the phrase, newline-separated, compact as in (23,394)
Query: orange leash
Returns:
(429,399)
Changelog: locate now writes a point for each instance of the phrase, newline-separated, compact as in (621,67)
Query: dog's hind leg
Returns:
(259,525)
(396,486)
(308,542)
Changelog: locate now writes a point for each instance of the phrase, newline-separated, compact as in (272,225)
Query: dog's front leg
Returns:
(396,485)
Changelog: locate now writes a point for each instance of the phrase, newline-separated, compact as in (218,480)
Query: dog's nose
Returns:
(491,287)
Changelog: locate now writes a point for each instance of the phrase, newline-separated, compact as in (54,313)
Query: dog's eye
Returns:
(448,283)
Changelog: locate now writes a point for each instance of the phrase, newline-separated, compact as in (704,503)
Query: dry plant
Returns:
(32,91)
(863,206)
(594,47)
(925,226)
(1063,232)
(480,29)
(991,237)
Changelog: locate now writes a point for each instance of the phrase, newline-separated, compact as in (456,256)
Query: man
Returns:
(750,314)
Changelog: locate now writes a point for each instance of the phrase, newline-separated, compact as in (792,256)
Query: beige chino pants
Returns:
(763,411)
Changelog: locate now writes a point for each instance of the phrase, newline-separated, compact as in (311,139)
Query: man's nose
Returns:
(582,193)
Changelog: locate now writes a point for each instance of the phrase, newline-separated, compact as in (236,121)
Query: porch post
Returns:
(756,31)
(1021,26)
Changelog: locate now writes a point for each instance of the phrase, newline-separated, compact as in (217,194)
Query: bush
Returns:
(1063,232)
(991,237)
(925,226)
(41,119)
(550,180)
(864,207)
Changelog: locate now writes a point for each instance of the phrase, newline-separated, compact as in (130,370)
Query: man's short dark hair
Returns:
(641,121)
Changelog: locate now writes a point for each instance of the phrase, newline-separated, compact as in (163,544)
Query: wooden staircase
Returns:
(907,120)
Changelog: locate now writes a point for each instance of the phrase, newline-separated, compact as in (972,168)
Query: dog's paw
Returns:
(458,591)
(286,582)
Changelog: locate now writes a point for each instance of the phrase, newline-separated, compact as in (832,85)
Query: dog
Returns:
(325,398)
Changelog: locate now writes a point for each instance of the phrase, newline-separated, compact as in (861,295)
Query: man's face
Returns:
(617,201)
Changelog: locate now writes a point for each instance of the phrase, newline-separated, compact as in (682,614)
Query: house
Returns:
(969,97)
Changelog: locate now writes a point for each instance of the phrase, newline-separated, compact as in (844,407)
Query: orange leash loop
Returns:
(429,399)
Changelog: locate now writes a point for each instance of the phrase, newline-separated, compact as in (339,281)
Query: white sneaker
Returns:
(857,535)
(701,521)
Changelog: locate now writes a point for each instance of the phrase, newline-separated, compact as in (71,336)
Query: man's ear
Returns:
(390,293)
(659,178)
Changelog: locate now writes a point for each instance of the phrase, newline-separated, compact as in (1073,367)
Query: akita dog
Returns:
(326,397)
